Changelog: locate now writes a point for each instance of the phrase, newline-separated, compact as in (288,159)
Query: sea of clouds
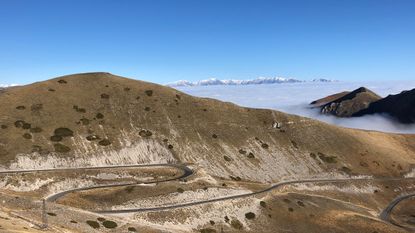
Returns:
(294,98)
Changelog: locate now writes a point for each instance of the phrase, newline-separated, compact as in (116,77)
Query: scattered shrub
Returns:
(61,148)
(109,224)
(145,133)
(251,155)
(99,116)
(51,214)
(263,204)
(51,89)
(264,145)
(105,96)
(127,89)
(61,81)
(237,178)
(346,169)
(21,107)
(226,158)
(178,96)
(326,158)
(101,219)
(147,109)
(250,215)
(180,190)
(149,92)
(4,126)
(212,222)
(85,121)
(36,130)
(27,136)
(19,124)
(235,223)
(93,224)
(56,138)
(63,132)
(26,126)
(78,109)
(132,229)
(170,146)
(242,151)
(104,142)
(214,136)
(73,221)
(312,155)
(294,144)
(290,209)
(226,219)
(286,200)
(129,189)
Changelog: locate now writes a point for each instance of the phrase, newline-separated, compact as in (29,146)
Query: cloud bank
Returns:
(294,98)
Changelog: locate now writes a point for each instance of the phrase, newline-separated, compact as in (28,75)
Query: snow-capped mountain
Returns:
(260,80)
(8,85)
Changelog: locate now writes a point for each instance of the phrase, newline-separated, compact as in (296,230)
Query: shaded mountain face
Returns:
(400,106)
(348,103)
(98,119)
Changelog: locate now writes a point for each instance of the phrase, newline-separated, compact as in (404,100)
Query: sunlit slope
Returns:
(100,119)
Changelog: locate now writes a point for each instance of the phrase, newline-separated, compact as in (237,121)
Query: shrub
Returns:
(263,204)
(207,230)
(36,107)
(99,116)
(4,126)
(101,219)
(26,126)
(109,224)
(326,158)
(19,123)
(145,133)
(61,81)
(51,214)
(132,229)
(290,209)
(92,137)
(250,215)
(147,109)
(242,151)
(27,136)
(63,132)
(56,138)
(20,107)
(36,130)
(212,222)
(214,136)
(170,146)
(73,221)
(149,92)
(85,121)
(300,203)
(226,158)
(61,148)
(93,224)
(251,155)
(180,190)
(235,223)
(104,142)
(264,145)
(105,96)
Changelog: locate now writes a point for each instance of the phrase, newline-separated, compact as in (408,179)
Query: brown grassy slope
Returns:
(223,138)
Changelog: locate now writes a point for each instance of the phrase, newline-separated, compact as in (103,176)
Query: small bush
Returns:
(290,209)
(127,89)
(105,96)
(109,224)
(242,151)
(26,126)
(286,200)
(51,214)
(212,222)
(300,203)
(56,138)
(73,221)
(19,123)
(36,107)
(20,107)
(101,219)
(264,145)
(85,121)
(226,219)
(263,204)
(170,146)
(235,223)
(326,158)
(61,148)
(63,132)
(4,126)
(180,190)
(132,229)
(104,142)
(61,81)
(149,92)
(214,136)
(92,137)
(99,116)
(36,130)
(93,224)
(250,215)
(129,189)
(27,136)
(145,133)
(226,158)
(251,155)
(147,109)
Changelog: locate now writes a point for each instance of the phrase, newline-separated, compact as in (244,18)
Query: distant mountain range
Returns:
(261,80)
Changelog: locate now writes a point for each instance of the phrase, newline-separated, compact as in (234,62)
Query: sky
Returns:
(165,40)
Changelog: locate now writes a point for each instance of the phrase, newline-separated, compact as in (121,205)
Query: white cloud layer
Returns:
(294,98)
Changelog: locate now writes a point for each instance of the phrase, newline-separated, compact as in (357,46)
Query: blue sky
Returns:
(164,41)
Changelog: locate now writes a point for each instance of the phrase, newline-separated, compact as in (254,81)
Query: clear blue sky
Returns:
(163,41)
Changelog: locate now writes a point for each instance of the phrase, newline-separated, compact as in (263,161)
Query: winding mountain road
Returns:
(385,214)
